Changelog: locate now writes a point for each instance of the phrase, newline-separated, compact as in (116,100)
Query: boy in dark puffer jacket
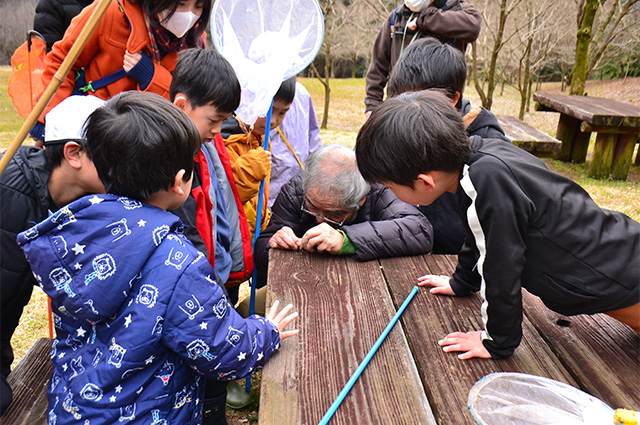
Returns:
(35,184)
(139,319)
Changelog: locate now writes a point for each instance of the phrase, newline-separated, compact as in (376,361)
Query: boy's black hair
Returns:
(287,91)
(205,77)
(412,134)
(153,8)
(139,141)
(54,153)
(429,64)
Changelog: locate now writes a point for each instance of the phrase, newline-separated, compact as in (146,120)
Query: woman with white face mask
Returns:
(134,47)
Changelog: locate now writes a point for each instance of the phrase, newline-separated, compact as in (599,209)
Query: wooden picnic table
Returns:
(344,305)
(616,124)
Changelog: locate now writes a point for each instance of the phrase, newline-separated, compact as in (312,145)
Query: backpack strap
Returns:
(102,82)
(394,16)
(107,79)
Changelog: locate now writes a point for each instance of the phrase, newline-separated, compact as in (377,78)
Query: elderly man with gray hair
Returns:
(330,208)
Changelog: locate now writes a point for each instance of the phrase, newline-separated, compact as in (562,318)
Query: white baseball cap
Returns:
(65,122)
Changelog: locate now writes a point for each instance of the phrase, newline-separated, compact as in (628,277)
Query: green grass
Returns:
(345,118)
(10,121)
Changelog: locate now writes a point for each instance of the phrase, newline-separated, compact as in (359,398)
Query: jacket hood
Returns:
(33,169)
(87,255)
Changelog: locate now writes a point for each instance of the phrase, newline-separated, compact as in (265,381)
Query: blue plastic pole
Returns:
(327,416)
(254,276)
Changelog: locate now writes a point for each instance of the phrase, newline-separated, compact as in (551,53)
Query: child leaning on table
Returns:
(527,227)
(139,319)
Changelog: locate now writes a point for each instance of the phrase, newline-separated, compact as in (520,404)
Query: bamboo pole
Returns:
(58,78)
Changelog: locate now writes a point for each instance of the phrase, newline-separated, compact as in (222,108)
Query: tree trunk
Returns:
(582,49)
(476,82)
(354,60)
(327,91)
(497,46)
(529,95)
(327,87)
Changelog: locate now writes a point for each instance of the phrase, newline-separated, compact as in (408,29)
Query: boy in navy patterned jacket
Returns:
(139,319)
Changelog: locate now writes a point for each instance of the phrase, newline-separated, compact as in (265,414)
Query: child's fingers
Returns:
(287,334)
(467,355)
(469,343)
(284,322)
(433,280)
(272,311)
(442,290)
(281,315)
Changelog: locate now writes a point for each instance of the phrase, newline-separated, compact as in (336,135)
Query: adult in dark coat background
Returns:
(454,22)
(53,17)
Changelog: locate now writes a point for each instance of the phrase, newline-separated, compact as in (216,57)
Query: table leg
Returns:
(612,155)
(574,142)
(603,155)
(623,155)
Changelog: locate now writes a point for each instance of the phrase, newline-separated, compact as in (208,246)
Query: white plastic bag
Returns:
(521,399)
(266,42)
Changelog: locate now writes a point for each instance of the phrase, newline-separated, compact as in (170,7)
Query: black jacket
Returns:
(25,201)
(531,228)
(53,17)
(445,216)
(383,227)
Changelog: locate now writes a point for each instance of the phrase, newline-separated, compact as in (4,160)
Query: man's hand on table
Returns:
(285,238)
(322,238)
(440,284)
(470,343)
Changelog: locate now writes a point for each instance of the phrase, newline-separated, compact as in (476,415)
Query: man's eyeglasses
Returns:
(323,217)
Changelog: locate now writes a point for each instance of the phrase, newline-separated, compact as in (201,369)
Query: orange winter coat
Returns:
(250,165)
(104,53)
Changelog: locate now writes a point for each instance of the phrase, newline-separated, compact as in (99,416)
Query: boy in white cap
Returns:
(35,184)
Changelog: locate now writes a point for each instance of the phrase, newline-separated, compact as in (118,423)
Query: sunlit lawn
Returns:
(345,118)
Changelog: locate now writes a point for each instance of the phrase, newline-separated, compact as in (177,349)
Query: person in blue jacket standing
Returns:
(139,318)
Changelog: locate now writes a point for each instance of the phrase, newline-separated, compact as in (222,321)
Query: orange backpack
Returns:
(27,63)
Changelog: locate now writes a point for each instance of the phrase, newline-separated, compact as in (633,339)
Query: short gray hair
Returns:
(331,171)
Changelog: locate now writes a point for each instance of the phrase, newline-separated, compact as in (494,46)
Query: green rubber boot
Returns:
(237,397)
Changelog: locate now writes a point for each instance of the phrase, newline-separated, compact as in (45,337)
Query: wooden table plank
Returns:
(344,306)
(602,353)
(429,318)
(593,110)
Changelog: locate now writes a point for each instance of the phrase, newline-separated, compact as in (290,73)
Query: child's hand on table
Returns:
(440,284)
(470,343)
(281,320)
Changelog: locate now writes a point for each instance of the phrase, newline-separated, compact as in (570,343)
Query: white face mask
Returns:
(417,5)
(179,23)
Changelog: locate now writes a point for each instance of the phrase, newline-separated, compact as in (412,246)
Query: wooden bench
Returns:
(29,382)
(529,138)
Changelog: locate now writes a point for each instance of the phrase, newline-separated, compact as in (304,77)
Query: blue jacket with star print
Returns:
(139,319)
